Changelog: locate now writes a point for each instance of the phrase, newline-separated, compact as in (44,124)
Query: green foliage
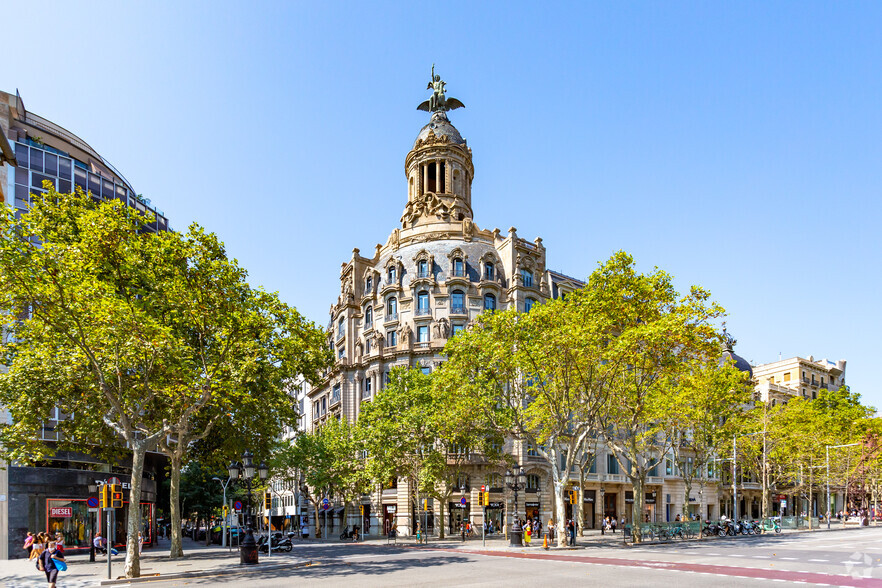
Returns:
(141,336)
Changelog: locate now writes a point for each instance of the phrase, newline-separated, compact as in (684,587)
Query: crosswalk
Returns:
(62,583)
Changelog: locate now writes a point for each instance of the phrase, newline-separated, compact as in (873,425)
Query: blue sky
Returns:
(735,145)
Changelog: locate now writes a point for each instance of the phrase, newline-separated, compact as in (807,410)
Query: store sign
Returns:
(125,485)
(61,512)
(783,504)
(650,498)
(457,505)
(629,496)
(497,504)
(532,505)
(588,496)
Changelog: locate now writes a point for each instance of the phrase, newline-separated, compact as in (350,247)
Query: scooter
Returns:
(279,543)
(769,525)
(349,534)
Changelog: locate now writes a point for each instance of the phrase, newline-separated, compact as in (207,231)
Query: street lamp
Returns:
(225,510)
(602,507)
(515,480)
(829,447)
(246,472)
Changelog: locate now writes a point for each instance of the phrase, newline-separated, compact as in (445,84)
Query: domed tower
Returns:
(729,354)
(439,167)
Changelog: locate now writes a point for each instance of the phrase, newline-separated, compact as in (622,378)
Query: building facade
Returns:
(54,495)
(398,306)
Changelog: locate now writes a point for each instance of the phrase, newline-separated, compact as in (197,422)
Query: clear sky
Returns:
(735,145)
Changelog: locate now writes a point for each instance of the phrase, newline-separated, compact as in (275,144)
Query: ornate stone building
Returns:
(434,274)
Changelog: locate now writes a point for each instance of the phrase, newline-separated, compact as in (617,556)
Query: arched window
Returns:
(528,304)
(458,268)
(392,308)
(423,302)
(423,268)
(391,275)
(489,271)
(457,302)
(368,317)
(489,302)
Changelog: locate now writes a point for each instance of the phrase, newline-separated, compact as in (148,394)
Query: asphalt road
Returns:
(852,557)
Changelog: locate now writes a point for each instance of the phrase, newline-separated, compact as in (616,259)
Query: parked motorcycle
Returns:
(349,533)
(279,543)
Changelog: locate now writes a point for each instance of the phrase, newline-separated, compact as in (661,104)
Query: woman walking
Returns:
(51,560)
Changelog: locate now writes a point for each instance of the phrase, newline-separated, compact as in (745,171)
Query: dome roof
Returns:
(739,361)
(441,126)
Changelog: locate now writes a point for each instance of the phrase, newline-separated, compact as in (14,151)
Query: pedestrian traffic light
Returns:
(104,497)
(267,500)
(116,497)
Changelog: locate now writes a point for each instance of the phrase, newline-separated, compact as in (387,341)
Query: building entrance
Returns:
(609,505)
(389,511)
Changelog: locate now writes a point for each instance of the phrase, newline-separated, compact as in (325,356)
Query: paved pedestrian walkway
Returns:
(199,560)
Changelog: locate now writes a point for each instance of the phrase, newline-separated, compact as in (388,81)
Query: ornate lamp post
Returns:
(246,472)
(93,489)
(515,480)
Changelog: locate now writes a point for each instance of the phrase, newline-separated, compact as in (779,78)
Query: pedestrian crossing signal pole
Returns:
(484,499)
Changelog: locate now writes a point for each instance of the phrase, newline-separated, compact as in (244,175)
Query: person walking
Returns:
(528,533)
(613,525)
(29,543)
(47,563)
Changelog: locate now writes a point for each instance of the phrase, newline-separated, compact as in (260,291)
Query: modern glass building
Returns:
(56,495)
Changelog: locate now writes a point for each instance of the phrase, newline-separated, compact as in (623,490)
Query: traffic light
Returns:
(116,497)
(267,500)
(425,504)
(486,497)
(226,511)
(104,497)
(572,497)
(361,509)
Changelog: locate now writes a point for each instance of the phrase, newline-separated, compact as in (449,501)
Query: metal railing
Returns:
(422,311)
(391,317)
(458,310)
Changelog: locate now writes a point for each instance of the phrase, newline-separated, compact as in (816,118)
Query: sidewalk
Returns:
(198,560)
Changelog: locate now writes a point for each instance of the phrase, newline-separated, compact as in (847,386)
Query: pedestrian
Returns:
(29,543)
(50,562)
(550,530)
(140,543)
(528,533)
(613,525)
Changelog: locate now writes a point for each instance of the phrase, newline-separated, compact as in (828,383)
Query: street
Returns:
(850,558)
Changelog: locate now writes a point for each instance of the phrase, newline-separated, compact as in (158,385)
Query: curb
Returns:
(203,573)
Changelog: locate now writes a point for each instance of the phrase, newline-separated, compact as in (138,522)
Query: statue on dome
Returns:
(438,102)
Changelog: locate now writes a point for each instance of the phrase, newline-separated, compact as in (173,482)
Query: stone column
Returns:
(425,173)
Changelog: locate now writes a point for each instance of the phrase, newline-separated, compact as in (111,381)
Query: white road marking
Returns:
(820,560)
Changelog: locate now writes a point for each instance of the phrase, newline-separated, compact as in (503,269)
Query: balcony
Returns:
(422,311)
(391,317)
(459,310)
(424,274)
(458,273)
(614,478)
(655,480)
(422,345)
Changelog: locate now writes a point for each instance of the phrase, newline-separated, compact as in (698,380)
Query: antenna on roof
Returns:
(779,356)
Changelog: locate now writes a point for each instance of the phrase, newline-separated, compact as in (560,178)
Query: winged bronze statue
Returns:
(438,102)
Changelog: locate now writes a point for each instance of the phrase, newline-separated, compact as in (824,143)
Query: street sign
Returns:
(462,501)
(783,504)
(238,505)
(92,502)
(326,504)
(114,480)
(483,488)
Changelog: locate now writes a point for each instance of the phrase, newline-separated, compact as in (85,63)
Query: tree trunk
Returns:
(638,482)
(176,549)
(687,484)
(560,508)
(441,523)
(133,563)
(318,526)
